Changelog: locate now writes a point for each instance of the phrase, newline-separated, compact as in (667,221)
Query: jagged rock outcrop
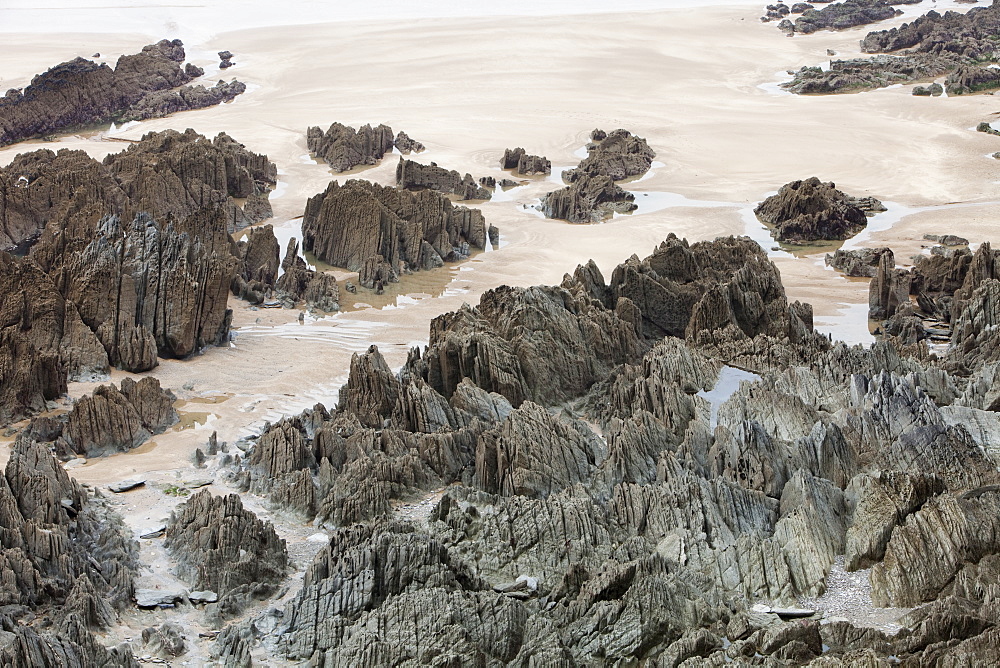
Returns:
(67,556)
(222,547)
(299,283)
(889,288)
(593,194)
(810,210)
(862,262)
(932,45)
(351,225)
(146,288)
(415,176)
(846,14)
(115,420)
(166,173)
(523,163)
(81,93)
(344,148)
(43,341)
(259,257)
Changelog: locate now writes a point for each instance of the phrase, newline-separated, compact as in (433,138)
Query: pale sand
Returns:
(690,81)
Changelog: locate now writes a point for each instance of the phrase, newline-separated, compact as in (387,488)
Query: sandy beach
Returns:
(697,82)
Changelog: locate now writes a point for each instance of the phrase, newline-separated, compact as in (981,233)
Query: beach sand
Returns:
(697,83)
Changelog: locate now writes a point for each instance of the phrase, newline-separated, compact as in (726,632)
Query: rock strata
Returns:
(521,162)
(344,148)
(415,176)
(384,232)
(811,210)
(81,92)
(593,193)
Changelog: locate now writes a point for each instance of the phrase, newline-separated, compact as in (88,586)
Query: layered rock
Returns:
(300,283)
(67,557)
(81,92)
(593,194)
(259,257)
(811,210)
(415,176)
(862,262)
(109,420)
(362,224)
(521,162)
(846,14)
(344,148)
(222,547)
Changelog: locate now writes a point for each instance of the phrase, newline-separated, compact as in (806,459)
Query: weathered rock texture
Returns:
(300,283)
(383,232)
(593,194)
(929,46)
(811,210)
(222,547)
(65,556)
(415,176)
(107,283)
(81,93)
(344,148)
(523,163)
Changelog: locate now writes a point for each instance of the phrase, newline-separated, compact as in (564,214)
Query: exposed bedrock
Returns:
(954,44)
(67,557)
(344,148)
(606,494)
(846,14)
(811,210)
(415,176)
(318,290)
(108,420)
(166,173)
(222,547)
(593,193)
(524,163)
(82,93)
(862,262)
(384,232)
(145,287)
(259,263)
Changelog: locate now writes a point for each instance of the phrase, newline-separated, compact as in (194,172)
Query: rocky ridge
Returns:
(81,93)
(959,45)
(344,148)
(415,176)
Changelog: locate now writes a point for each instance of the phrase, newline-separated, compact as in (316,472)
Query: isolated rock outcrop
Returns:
(810,210)
(317,289)
(259,258)
(845,14)
(861,262)
(386,231)
(344,148)
(593,194)
(81,93)
(523,163)
(415,176)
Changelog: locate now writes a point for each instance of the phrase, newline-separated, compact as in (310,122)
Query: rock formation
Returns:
(66,557)
(593,194)
(859,263)
(846,14)
(601,504)
(811,210)
(932,45)
(299,283)
(384,232)
(522,163)
(80,92)
(222,547)
(344,148)
(109,420)
(415,176)
(259,265)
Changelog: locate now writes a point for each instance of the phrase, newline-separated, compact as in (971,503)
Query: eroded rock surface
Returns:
(344,148)
(811,210)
